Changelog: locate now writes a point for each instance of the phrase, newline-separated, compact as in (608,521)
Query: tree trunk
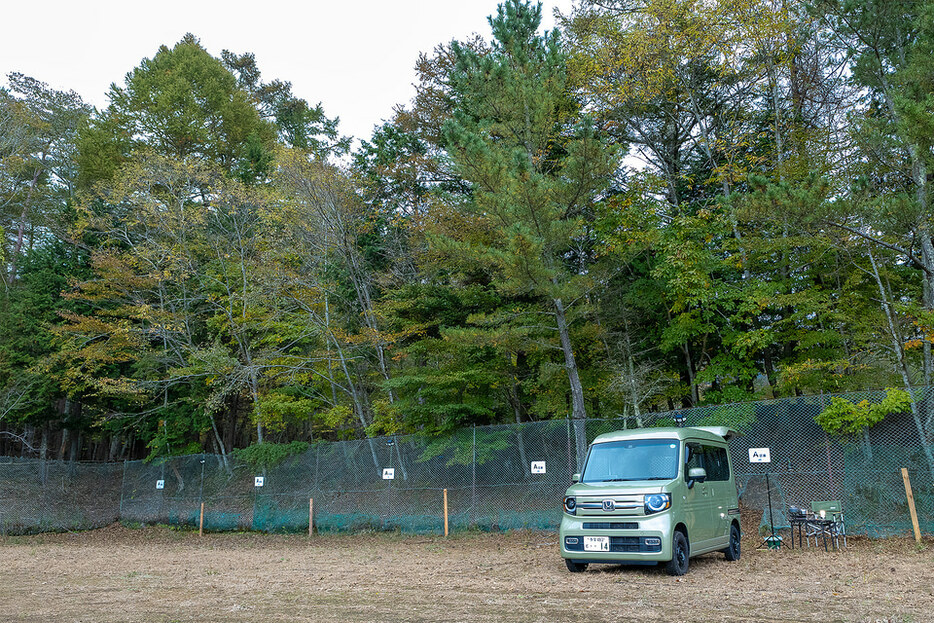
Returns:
(636,411)
(178,477)
(75,453)
(520,441)
(902,366)
(689,365)
(219,443)
(401,463)
(355,394)
(358,399)
(43,454)
(21,228)
(327,326)
(114,448)
(578,410)
(66,442)
(360,280)
(28,440)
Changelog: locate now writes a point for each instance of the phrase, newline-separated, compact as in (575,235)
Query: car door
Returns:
(716,462)
(697,500)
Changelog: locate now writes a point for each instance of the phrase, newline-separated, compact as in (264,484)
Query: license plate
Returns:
(596,543)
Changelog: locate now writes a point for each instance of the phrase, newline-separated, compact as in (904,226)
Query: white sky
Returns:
(355,57)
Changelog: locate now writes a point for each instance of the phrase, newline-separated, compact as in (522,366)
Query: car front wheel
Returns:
(678,565)
(575,567)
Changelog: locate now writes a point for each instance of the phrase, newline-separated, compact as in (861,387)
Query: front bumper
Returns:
(650,541)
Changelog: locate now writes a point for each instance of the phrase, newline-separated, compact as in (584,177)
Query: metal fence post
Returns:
(201,496)
(122,487)
(255,497)
(473,480)
(201,490)
(2,521)
(389,443)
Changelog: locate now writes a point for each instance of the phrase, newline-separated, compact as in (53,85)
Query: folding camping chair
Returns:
(825,522)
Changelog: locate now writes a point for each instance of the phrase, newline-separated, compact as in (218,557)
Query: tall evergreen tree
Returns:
(535,166)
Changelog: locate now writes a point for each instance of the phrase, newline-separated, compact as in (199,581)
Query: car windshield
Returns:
(634,459)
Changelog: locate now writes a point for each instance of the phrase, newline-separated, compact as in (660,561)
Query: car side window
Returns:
(716,463)
(693,457)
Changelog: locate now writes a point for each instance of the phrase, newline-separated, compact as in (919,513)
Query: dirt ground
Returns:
(160,575)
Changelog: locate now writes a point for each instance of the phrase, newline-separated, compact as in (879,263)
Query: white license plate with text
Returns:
(596,543)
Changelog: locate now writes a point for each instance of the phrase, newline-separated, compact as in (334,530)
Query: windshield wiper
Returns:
(632,479)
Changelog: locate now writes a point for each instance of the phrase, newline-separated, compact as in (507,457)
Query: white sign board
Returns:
(259,481)
(160,484)
(538,467)
(759,455)
(389,473)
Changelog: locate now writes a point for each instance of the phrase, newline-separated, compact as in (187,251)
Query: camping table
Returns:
(827,526)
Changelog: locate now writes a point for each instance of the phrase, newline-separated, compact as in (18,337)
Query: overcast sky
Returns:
(355,57)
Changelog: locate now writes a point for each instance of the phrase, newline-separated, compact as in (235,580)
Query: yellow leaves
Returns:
(639,56)
(336,417)
(91,346)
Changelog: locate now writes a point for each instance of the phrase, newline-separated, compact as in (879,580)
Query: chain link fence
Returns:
(48,496)
(495,477)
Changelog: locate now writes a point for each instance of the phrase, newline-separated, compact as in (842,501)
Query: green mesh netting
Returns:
(488,476)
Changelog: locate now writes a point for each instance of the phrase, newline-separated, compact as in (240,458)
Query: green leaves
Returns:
(266,455)
(844,418)
(182,103)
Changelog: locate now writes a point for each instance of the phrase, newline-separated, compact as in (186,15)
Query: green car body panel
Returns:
(636,491)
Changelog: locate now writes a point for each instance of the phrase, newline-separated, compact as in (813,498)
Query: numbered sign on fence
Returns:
(538,467)
(389,473)
(759,455)
(259,481)
(160,484)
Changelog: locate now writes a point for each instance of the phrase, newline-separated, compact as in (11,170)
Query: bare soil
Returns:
(156,575)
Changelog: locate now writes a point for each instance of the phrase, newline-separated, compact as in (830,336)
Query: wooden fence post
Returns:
(201,521)
(911,505)
(311,515)
(445,512)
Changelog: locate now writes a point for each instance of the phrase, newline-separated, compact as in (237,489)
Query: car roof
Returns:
(719,434)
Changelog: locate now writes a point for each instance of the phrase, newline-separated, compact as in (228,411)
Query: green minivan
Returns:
(652,495)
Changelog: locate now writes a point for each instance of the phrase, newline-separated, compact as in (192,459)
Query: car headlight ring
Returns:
(657,502)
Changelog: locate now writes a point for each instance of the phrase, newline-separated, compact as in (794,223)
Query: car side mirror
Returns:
(575,478)
(696,474)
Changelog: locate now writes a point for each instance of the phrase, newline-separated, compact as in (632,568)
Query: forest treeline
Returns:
(659,204)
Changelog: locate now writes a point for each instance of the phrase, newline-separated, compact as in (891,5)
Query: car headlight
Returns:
(570,505)
(657,502)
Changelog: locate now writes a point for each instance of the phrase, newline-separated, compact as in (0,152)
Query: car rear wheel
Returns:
(575,567)
(732,552)
(678,565)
